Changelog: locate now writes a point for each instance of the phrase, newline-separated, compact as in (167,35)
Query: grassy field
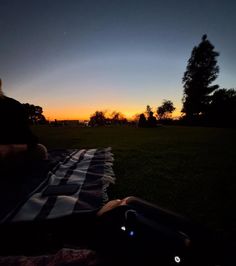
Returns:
(190,170)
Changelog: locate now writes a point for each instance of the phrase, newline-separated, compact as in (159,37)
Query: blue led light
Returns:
(131,233)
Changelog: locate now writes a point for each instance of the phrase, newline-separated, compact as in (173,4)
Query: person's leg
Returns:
(12,151)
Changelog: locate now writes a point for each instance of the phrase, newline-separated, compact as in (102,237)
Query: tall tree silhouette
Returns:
(202,70)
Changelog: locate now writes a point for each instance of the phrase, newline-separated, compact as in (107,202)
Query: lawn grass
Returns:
(189,170)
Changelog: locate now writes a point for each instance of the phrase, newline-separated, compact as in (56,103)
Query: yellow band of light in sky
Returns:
(73,113)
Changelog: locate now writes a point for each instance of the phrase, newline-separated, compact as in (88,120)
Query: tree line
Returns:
(204,103)
(147,119)
(100,118)
(163,114)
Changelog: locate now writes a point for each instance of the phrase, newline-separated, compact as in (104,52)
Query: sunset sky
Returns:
(73,57)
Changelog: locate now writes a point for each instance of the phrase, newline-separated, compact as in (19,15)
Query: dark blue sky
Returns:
(73,57)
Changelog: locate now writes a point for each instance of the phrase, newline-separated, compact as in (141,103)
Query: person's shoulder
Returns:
(11,100)
(11,105)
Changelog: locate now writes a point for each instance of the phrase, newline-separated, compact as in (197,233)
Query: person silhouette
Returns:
(16,138)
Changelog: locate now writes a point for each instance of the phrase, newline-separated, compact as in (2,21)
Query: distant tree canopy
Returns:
(202,70)
(165,110)
(117,118)
(222,108)
(34,113)
(97,119)
(151,120)
(148,119)
(142,121)
(148,110)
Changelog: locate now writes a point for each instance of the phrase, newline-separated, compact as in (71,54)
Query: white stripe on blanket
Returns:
(65,204)
(55,178)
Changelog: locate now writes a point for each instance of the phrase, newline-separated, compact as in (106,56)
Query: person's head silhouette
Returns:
(16,136)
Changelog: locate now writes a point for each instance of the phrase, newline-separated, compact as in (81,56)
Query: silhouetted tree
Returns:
(151,121)
(148,110)
(118,118)
(34,113)
(222,108)
(202,70)
(135,119)
(97,119)
(165,110)
(142,121)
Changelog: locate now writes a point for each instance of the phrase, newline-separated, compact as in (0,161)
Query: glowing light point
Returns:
(177,259)
(123,228)
(131,233)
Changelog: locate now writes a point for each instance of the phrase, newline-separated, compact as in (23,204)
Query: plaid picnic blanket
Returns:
(77,183)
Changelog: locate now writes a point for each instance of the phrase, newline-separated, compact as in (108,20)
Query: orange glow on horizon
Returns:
(84,114)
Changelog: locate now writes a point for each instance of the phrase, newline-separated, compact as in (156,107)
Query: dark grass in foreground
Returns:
(189,170)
